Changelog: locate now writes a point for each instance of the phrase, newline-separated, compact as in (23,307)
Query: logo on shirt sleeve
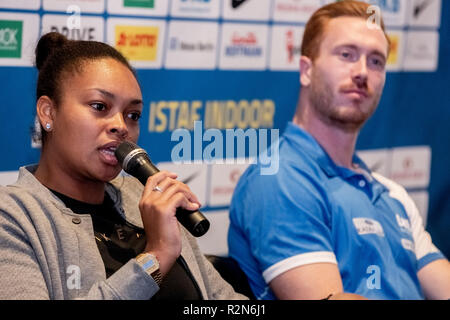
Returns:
(408,245)
(368,226)
(403,223)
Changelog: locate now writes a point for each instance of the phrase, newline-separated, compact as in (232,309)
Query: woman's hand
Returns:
(158,207)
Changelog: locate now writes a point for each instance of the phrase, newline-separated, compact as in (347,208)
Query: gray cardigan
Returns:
(49,252)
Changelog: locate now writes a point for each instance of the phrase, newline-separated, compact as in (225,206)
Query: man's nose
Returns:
(360,72)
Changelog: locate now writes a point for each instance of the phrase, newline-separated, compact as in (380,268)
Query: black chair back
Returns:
(230,271)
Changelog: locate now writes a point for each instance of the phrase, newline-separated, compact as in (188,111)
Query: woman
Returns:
(69,227)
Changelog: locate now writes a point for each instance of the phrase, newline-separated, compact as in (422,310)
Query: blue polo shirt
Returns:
(313,211)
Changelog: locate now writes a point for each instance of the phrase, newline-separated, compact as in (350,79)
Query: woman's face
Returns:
(99,108)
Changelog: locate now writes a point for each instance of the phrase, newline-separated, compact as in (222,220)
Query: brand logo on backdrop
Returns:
(91,6)
(420,6)
(10,39)
(87,34)
(191,177)
(21,4)
(86,28)
(244,45)
(237,3)
(197,6)
(139,3)
(296,7)
(137,43)
(227,187)
(183,45)
(235,175)
(196,1)
(423,51)
(291,48)
(391,6)
(395,46)
(409,170)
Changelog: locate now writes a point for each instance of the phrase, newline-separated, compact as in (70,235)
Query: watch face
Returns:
(148,264)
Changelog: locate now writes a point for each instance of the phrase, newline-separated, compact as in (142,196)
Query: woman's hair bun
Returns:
(47,45)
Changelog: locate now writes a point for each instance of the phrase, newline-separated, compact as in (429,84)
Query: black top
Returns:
(119,241)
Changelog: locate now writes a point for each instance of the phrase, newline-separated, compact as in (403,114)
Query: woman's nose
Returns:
(118,125)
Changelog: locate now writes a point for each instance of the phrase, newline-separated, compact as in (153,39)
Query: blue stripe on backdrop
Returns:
(17,110)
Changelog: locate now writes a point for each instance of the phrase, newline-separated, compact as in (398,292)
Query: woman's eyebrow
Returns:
(111,96)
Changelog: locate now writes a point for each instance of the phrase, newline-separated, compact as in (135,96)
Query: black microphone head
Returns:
(126,151)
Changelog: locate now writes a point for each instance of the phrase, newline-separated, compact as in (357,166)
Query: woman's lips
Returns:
(107,154)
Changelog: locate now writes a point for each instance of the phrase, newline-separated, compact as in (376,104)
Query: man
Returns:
(325,226)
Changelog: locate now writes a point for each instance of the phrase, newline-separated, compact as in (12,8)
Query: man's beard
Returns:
(322,98)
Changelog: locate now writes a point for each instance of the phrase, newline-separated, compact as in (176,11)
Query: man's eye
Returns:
(98,106)
(346,55)
(377,62)
(135,116)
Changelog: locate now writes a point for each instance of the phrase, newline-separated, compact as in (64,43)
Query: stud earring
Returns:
(48,126)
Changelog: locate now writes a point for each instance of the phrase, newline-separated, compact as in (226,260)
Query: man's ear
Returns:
(306,66)
(45,110)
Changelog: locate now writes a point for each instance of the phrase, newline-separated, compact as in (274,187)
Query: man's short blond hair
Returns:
(315,28)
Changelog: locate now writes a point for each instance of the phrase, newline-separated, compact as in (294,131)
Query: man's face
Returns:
(348,76)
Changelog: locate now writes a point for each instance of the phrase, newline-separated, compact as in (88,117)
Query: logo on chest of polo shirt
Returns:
(368,226)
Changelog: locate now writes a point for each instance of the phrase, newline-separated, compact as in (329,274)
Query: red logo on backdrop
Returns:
(244,45)
(248,39)
(228,189)
(294,7)
(407,163)
(234,175)
(290,45)
(408,171)
(291,48)
(137,40)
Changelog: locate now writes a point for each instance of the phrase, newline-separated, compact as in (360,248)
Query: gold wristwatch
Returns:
(150,264)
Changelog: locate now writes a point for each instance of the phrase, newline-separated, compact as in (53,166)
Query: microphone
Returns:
(135,161)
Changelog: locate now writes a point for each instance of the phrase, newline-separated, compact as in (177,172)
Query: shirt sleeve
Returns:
(286,221)
(424,248)
(27,272)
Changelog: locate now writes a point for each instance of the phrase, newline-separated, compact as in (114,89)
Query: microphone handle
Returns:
(194,221)
(142,169)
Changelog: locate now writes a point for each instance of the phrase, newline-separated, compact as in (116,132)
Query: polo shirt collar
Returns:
(309,144)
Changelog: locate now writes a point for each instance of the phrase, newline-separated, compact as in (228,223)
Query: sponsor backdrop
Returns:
(233,64)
